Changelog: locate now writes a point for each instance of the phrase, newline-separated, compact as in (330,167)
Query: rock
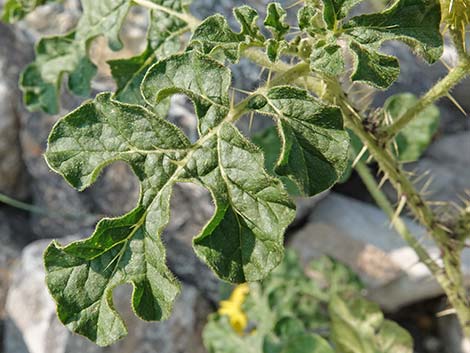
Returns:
(9,251)
(359,235)
(447,161)
(32,314)
(451,335)
(13,55)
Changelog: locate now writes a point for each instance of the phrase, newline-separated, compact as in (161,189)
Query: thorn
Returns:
(241,91)
(250,125)
(453,100)
(294,4)
(270,72)
(422,176)
(426,185)
(444,228)
(359,156)
(398,211)
(382,181)
(446,65)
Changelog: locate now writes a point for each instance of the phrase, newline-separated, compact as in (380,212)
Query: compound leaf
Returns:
(314,143)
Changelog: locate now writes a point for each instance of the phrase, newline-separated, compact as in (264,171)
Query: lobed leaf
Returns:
(15,10)
(275,20)
(58,55)
(414,22)
(204,80)
(242,242)
(214,33)
(163,39)
(314,144)
(359,327)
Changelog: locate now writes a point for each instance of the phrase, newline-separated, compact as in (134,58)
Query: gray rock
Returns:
(451,335)
(13,55)
(9,251)
(32,314)
(359,235)
(447,161)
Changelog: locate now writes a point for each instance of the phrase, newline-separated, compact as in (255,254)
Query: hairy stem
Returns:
(441,89)
(451,277)
(399,225)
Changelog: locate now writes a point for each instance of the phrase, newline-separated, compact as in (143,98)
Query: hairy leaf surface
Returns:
(58,55)
(214,33)
(414,22)
(314,144)
(359,327)
(163,39)
(15,10)
(242,242)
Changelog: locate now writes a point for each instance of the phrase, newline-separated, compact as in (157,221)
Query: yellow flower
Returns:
(233,308)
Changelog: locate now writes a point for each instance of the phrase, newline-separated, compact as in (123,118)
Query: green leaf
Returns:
(270,144)
(165,29)
(82,275)
(15,10)
(40,81)
(413,140)
(372,67)
(244,239)
(58,55)
(414,22)
(275,20)
(242,242)
(327,57)
(359,327)
(274,49)
(163,39)
(335,10)
(215,34)
(306,19)
(205,81)
(314,143)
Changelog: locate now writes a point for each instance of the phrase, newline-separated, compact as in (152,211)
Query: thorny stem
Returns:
(441,89)
(448,283)
(451,278)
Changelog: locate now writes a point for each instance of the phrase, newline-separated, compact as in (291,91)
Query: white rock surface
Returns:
(359,235)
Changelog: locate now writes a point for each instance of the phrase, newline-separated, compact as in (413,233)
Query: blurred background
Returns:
(342,223)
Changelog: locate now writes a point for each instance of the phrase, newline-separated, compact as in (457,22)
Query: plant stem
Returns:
(399,225)
(439,90)
(450,283)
